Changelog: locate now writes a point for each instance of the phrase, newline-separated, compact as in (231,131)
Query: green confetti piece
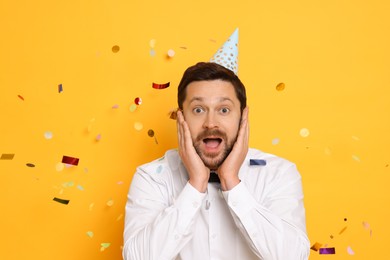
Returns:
(90,234)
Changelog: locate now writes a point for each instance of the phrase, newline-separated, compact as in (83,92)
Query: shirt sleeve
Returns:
(274,226)
(153,228)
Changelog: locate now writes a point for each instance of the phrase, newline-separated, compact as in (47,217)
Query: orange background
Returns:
(332,56)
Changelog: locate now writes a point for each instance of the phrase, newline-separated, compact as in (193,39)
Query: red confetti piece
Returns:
(138,101)
(22,98)
(70,160)
(160,86)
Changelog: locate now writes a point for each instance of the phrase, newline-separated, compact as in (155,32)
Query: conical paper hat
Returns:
(227,55)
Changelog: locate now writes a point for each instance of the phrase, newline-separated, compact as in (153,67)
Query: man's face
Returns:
(212,112)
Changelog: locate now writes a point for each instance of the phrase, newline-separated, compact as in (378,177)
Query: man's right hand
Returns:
(198,173)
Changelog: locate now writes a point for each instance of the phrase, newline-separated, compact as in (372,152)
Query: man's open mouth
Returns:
(212,142)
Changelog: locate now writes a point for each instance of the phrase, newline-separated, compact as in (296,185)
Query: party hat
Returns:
(227,55)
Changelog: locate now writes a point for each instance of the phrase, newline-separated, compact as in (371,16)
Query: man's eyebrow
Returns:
(201,99)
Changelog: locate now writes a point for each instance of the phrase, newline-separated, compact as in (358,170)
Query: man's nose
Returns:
(210,121)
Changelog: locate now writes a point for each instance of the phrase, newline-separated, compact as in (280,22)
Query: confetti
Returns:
(257,162)
(152,53)
(171,53)
(90,234)
(356,158)
(133,107)
(366,225)
(119,182)
(304,132)
(327,151)
(60,89)
(350,251)
(7,156)
(173,114)
(66,202)
(70,160)
(115,106)
(115,48)
(275,141)
(68,184)
(80,187)
(98,137)
(152,43)
(119,217)
(355,138)
(341,231)
(138,101)
(150,133)
(48,135)
(22,98)
(91,206)
(160,86)
(280,87)
(138,126)
(110,203)
(30,165)
(327,251)
(316,246)
(104,246)
(59,167)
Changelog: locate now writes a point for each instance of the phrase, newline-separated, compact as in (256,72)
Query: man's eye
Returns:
(225,110)
(198,110)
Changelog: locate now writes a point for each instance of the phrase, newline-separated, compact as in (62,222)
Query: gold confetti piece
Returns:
(150,133)
(304,132)
(133,107)
(110,203)
(356,158)
(30,165)
(355,138)
(90,234)
(327,151)
(60,167)
(104,246)
(280,86)
(119,217)
(115,48)
(341,231)
(183,47)
(22,98)
(152,43)
(173,114)
(7,156)
(316,246)
(91,206)
(138,126)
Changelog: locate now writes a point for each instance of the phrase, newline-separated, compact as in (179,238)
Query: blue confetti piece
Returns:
(257,162)
(60,89)
(159,169)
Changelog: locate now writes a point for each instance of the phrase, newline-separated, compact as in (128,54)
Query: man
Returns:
(254,211)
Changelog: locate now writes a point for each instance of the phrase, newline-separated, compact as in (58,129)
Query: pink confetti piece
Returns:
(115,106)
(98,137)
(350,251)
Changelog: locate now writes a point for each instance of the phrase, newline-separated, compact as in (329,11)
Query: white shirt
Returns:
(263,217)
